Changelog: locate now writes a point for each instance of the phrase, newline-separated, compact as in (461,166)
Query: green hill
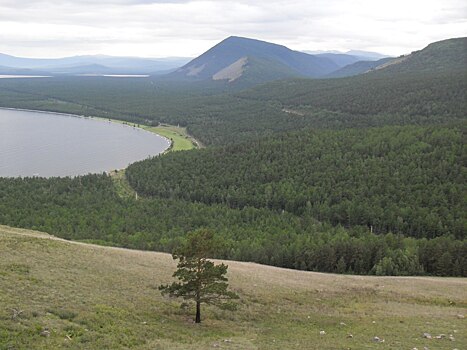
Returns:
(64,295)
(406,180)
(445,55)
(234,54)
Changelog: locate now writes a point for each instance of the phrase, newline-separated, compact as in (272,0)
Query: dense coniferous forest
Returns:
(88,208)
(358,175)
(394,179)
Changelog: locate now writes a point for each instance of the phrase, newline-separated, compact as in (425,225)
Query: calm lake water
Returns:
(45,144)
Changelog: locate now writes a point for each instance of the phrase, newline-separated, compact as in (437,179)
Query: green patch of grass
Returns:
(122,187)
(179,137)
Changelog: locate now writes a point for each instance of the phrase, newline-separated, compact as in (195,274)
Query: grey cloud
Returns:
(166,27)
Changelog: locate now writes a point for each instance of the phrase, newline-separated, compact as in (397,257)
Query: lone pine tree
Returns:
(200,280)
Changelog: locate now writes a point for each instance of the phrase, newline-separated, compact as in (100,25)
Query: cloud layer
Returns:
(54,28)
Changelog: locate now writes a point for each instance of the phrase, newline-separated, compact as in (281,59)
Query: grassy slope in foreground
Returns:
(92,297)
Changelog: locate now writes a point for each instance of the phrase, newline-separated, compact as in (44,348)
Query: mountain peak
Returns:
(266,61)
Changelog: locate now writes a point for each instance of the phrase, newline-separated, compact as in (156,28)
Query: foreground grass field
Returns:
(56,294)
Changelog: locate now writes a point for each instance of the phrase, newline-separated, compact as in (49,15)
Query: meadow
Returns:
(58,294)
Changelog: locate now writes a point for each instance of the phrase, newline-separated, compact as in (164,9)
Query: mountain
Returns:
(88,64)
(358,67)
(4,70)
(340,59)
(356,54)
(366,55)
(237,58)
(440,56)
(446,55)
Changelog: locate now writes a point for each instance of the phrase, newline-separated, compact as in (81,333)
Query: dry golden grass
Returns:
(93,297)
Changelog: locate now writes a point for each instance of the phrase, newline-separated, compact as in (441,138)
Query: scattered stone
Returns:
(425,348)
(308,317)
(227,340)
(349,335)
(373,322)
(215,345)
(427,336)
(322,333)
(414,348)
(45,333)
(441,336)
(378,340)
(144,322)
(16,313)
(343,324)
(451,338)
(460,317)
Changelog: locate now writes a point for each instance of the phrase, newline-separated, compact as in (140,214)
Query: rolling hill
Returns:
(237,58)
(59,294)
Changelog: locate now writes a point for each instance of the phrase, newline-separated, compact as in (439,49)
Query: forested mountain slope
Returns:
(407,180)
(432,81)
(357,68)
(89,208)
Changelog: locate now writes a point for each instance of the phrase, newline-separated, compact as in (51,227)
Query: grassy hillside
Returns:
(92,297)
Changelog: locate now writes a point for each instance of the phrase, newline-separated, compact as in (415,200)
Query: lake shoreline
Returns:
(173,142)
(116,121)
(165,143)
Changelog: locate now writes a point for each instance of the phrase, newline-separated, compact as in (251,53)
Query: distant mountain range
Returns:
(243,62)
(238,60)
(94,64)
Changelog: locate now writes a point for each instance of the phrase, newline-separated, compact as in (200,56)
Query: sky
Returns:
(169,28)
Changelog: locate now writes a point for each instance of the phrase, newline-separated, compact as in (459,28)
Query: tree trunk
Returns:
(198,312)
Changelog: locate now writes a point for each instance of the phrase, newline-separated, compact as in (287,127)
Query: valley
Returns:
(334,184)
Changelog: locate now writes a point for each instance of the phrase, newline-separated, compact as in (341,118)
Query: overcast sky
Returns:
(161,28)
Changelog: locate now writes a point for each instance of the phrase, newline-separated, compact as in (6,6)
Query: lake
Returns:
(47,144)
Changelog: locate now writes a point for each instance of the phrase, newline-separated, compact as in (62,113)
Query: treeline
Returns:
(87,208)
(407,180)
